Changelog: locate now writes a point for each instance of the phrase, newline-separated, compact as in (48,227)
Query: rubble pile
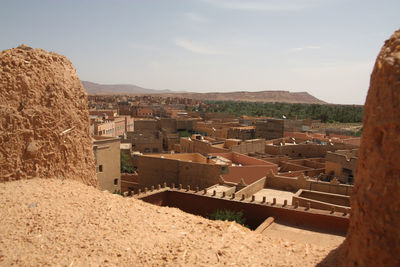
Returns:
(44,127)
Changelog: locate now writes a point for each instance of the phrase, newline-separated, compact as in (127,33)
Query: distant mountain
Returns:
(260,96)
(95,88)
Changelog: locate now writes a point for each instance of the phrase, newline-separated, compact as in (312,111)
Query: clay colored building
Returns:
(104,113)
(143,112)
(269,129)
(129,124)
(294,148)
(205,145)
(199,144)
(147,138)
(342,164)
(243,167)
(107,156)
(119,126)
(190,169)
(242,133)
(104,128)
(124,108)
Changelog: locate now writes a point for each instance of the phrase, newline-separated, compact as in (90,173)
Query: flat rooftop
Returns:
(269,193)
(188,157)
(219,189)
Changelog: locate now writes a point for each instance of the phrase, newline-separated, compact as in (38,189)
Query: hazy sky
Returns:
(324,47)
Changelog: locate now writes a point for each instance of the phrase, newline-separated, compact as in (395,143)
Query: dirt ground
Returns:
(67,223)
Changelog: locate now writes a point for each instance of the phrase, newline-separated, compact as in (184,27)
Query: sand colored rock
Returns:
(374,233)
(40,98)
(65,223)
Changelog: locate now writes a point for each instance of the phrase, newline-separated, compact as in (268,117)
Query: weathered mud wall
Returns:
(44,120)
(374,232)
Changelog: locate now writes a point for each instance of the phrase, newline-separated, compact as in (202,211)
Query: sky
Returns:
(324,47)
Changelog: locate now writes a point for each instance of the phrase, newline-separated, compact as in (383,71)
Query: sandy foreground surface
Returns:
(66,223)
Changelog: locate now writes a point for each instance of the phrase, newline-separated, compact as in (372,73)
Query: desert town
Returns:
(158,180)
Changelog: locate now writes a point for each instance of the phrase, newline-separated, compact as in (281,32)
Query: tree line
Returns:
(325,113)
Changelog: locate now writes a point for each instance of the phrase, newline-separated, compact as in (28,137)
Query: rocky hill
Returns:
(260,96)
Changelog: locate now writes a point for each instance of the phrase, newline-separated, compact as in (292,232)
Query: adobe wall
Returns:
(167,124)
(241,133)
(308,163)
(198,174)
(288,166)
(333,168)
(304,150)
(149,147)
(374,233)
(202,147)
(293,125)
(106,128)
(193,157)
(146,141)
(129,182)
(119,124)
(100,112)
(130,177)
(341,189)
(177,172)
(314,204)
(185,124)
(269,129)
(228,143)
(242,159)
(353,141)
(145,125)
(143,112)
(246,160)
(306,172)
(335,199)
(249,174)
(44,118)
(167,171)
(219,116)
(252,188)
(249,146)
(107,155)
(295,183)
(254,212)
(342,160)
